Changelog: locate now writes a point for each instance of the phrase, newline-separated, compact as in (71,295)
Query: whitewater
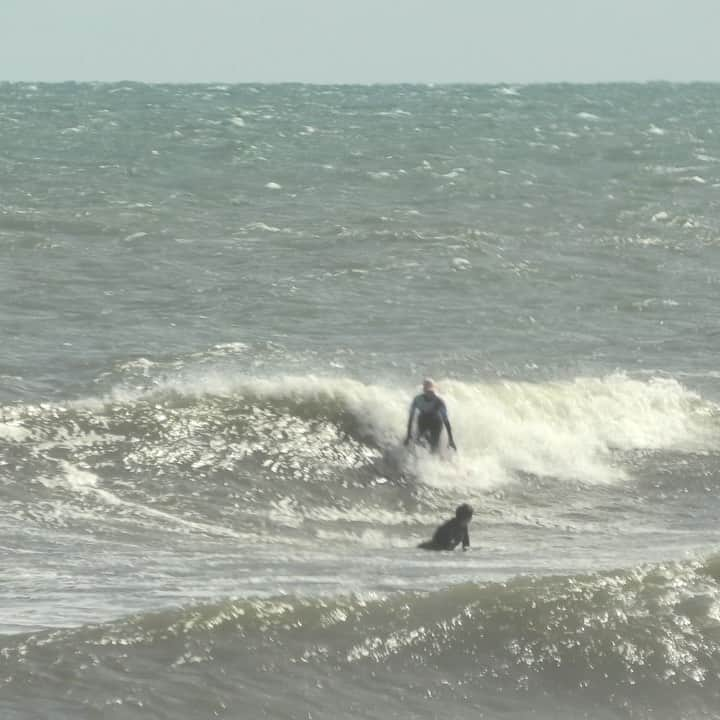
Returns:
(217,303)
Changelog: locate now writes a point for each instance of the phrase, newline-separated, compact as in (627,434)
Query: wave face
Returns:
(638,643)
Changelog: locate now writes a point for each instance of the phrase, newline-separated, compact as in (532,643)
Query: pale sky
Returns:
(360,41)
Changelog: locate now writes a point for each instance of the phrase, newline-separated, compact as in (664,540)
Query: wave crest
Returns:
(575,430)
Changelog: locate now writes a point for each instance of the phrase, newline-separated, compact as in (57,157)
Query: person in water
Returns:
(431,416)
(451,533)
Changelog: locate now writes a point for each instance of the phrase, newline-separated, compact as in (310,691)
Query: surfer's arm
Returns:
(446,422)
(410,422)
(466,540)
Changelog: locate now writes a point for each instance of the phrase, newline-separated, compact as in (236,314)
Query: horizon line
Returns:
(392,83)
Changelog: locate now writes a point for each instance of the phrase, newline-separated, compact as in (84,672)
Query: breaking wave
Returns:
(576,429)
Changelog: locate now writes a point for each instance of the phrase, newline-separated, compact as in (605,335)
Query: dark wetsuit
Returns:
(432,415)
(448,536)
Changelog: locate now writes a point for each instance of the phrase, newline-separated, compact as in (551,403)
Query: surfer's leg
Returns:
(433,435)
(423,431)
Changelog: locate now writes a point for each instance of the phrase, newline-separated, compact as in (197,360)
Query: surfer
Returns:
(432,415)
(453,532)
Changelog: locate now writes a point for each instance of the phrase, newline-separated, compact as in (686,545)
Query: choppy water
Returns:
(216,304)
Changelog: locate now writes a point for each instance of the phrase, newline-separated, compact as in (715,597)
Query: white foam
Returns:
(645,241)
(135,236)
(143,364)
(237,122)
(87,483)
(380,175)
(289,513)
(563,429)
(273,186)
(232,347)
(460,263)
(13,432)
(394,113)
(262,226)
(569,429)
(373,539)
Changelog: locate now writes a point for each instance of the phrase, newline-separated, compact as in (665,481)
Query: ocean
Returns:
(216,305)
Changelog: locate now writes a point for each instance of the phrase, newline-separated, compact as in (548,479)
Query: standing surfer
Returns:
(431,416)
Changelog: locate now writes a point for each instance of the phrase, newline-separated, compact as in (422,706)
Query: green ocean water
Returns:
(216,304)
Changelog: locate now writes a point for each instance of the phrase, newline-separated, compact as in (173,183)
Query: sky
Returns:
(360,41)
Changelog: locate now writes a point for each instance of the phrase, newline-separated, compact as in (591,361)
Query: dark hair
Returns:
(463,511)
